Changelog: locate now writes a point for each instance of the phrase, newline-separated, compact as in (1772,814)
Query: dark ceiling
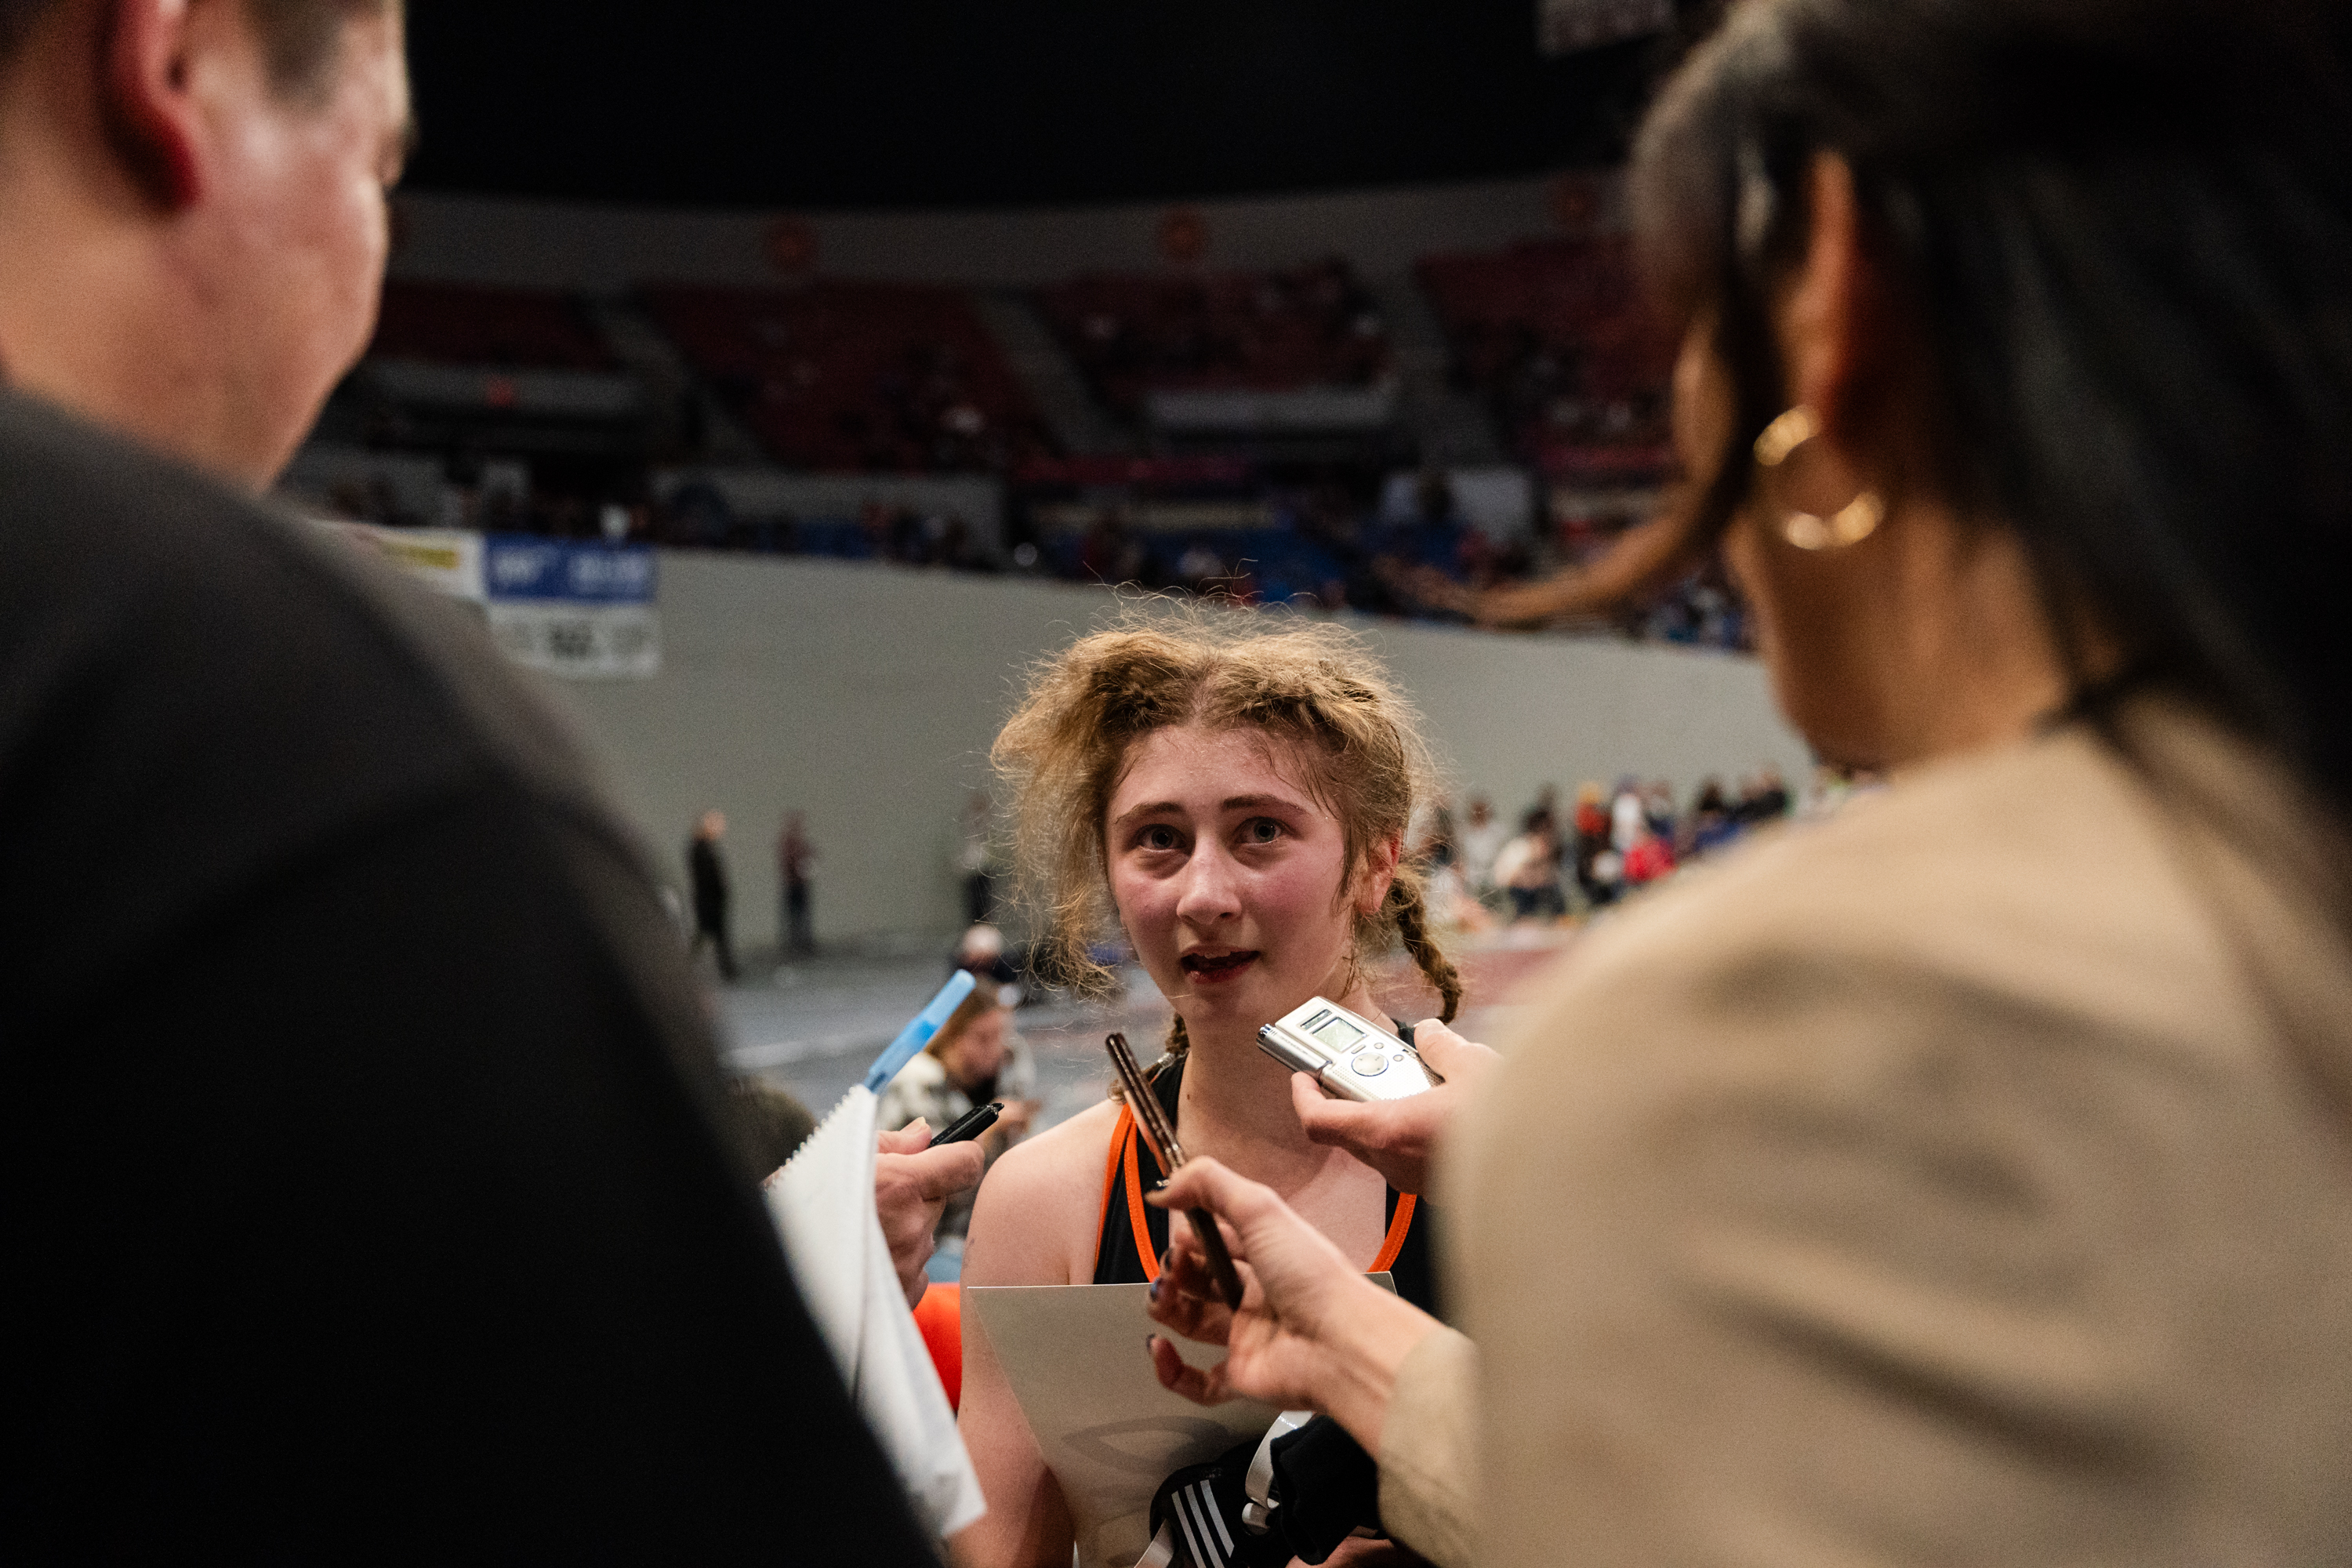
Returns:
(891,103)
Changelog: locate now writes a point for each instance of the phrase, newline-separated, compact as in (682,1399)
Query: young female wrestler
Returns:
(1235,802)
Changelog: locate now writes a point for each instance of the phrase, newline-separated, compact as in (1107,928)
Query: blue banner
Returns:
(522,566)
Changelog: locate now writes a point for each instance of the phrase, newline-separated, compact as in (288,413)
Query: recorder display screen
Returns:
(1339,1036)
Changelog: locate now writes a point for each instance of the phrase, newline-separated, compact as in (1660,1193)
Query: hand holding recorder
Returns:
(1362,1088)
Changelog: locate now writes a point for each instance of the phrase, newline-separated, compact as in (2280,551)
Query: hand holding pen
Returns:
(1152,1122)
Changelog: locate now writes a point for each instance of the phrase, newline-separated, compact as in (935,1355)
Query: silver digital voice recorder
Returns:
(1352,1057)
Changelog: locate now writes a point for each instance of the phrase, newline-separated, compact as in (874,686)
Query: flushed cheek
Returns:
(1148,913)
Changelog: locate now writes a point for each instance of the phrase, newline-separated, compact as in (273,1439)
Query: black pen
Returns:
(967,1126)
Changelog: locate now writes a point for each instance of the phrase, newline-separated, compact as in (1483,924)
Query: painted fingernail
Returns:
(1154,1292)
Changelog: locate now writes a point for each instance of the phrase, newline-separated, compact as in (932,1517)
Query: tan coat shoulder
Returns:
(1932,1174)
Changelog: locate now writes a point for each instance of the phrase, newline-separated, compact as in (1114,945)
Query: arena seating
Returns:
(1553,336)
(857,376)
(1130,335)
(502,328)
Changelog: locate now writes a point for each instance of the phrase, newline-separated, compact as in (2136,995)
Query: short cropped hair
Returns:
(303,37)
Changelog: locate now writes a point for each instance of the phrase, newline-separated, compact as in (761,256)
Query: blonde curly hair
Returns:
(1315,686)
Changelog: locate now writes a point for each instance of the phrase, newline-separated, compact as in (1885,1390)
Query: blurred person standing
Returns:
(1967,1178)
(711,894)
(1483,837)
(797,929)
(1628,811)
(974,858)
(1590,823)
(368,1189)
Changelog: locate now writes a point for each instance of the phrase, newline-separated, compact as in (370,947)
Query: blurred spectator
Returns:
(1711,824)
(974,854)
(1765,799)
(1650,858)
(982,950)
(708,876)
(796,929)
(1628,814)
(1592,823)
(1528,869)
(977,1057)
(1483,837)
(1658,809)
(1434,539)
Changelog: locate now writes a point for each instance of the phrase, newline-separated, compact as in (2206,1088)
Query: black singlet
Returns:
(1119,1254)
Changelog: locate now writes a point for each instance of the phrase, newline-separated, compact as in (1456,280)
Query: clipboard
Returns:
(1073,1357)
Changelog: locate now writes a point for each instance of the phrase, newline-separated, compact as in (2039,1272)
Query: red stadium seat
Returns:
(857,376)
(503,329)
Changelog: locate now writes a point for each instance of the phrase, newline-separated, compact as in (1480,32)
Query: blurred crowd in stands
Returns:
(1552,337)
(854,376)
(1313,325)
(1554,861)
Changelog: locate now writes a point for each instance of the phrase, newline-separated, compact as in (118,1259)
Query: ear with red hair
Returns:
(151,115)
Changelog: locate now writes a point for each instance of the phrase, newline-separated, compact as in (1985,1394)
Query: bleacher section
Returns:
(491,329)
(1300,328)
(1262,459)
(1552,334)
(856,376)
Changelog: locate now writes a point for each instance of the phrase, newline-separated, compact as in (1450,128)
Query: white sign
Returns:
(589,641)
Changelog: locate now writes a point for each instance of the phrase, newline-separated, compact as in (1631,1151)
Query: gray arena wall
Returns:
(866,698)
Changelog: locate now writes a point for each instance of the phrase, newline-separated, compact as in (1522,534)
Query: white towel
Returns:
(822,1201)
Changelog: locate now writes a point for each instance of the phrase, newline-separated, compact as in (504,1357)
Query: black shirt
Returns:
(709,879)
(365,1190)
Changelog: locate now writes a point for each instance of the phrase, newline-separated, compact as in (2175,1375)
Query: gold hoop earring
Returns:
(1850,524)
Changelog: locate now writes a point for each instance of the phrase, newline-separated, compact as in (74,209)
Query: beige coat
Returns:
(1965,1180)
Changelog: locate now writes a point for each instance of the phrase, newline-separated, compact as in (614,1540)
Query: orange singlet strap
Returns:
(1135,1209)
(1110,1166)
(1397,1228)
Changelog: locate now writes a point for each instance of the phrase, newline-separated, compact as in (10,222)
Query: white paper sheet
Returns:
(1074,1357)
(822,1201)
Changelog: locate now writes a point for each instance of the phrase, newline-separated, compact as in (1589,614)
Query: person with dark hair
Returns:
(773,1124)
(1967,1178)
(711,895)
(796,928)
(369,1190)
(1764,798)
(975,859)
